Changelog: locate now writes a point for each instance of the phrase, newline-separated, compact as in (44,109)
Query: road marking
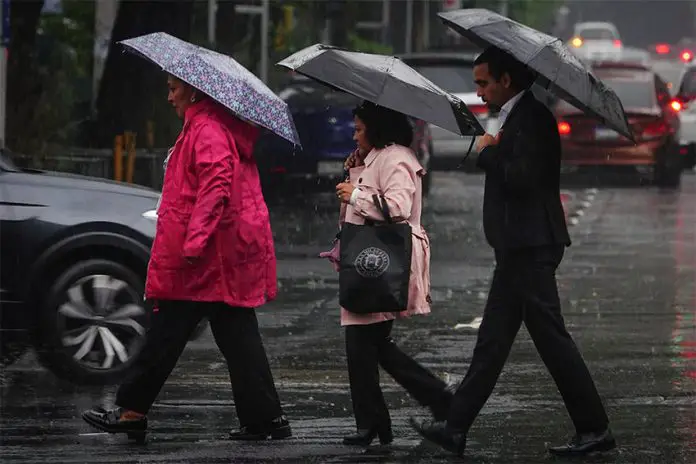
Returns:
(585,203)
(474,324)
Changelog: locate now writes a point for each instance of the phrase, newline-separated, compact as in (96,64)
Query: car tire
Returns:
(668,175)
(92,322)
(690,161)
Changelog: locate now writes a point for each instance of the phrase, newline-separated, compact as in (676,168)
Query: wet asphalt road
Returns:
(629,296)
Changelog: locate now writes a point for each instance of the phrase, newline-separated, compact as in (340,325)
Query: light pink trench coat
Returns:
(395,173)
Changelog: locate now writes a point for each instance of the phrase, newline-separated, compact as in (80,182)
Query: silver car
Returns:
(453,72)
(685,104)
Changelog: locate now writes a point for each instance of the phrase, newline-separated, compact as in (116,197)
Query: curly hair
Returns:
(384,126)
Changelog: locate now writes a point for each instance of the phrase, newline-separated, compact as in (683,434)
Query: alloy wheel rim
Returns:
(102,322)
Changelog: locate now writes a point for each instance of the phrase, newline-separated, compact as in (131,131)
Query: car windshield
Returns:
(454,78)
(633,93)
(596,34)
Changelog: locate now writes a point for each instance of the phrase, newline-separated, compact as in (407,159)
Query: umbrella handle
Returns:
(471,145)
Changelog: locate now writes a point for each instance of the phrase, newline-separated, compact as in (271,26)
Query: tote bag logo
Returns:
(372,262)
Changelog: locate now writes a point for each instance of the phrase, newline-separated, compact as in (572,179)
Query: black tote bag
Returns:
(375,264)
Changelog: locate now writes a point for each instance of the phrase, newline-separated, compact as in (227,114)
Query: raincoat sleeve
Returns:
(215,162)
(397,185)
(522,168)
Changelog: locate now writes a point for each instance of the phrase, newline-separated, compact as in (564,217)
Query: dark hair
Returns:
(384,126)
(500,62)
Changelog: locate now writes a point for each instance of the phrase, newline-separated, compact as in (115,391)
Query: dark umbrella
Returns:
(558,69)
(386,81)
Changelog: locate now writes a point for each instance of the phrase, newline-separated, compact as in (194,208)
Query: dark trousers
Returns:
(524,289)
(236,333)
(370,346)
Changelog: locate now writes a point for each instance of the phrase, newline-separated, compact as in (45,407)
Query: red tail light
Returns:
(617,43)
(686,56)
(662,49)
(278,170)
(676,105)
(478,109)
(563,128)
(654,129)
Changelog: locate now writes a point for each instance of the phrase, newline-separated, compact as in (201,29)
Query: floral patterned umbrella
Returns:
(219,77)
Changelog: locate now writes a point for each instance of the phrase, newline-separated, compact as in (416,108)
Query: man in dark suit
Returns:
(524,223)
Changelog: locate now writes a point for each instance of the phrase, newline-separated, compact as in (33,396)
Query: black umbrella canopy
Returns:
(557,68)
(386,81)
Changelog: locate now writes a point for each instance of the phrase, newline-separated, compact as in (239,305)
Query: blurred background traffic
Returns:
(74,102)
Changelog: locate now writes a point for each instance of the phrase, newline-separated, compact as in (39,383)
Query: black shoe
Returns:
(438,433)
(586,443)
(109,420)
(277,429)
(365,436)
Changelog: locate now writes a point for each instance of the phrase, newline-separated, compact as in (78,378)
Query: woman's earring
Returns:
(193,99)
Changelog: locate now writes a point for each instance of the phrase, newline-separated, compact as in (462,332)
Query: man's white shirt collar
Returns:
(507,108)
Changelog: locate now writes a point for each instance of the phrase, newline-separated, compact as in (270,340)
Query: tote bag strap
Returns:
(381,203)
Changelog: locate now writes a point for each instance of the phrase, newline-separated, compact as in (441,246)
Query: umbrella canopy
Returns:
(558,69)
(220,77)
(386,81)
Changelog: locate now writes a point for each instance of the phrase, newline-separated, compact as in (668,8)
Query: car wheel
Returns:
(668,175)
(92,323)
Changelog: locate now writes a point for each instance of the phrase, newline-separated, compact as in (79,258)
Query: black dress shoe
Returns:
(586,443)
(438,433)
(109,420)
(365,436)
(277,429)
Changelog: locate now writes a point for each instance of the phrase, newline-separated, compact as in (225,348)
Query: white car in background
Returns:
(685,104)
(596,41)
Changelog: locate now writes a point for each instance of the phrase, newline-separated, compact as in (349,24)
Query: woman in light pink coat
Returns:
(383,164)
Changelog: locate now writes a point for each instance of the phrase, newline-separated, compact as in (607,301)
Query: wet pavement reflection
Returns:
(628,286)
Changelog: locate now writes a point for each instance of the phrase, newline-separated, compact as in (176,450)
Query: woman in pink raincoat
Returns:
(383,164)
(212,257)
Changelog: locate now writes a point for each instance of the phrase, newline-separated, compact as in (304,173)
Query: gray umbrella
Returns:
(558,69)
(386,81)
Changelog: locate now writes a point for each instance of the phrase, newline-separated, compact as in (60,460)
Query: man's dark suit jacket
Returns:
(522,204)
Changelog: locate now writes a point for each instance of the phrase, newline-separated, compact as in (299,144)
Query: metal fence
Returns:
(148,169)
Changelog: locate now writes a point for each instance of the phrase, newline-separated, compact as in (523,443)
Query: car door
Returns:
(687,116)
(19,208)
(10,249)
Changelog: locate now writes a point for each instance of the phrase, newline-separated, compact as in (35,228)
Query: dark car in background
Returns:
(587,144)
(74,253)
(324,122)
